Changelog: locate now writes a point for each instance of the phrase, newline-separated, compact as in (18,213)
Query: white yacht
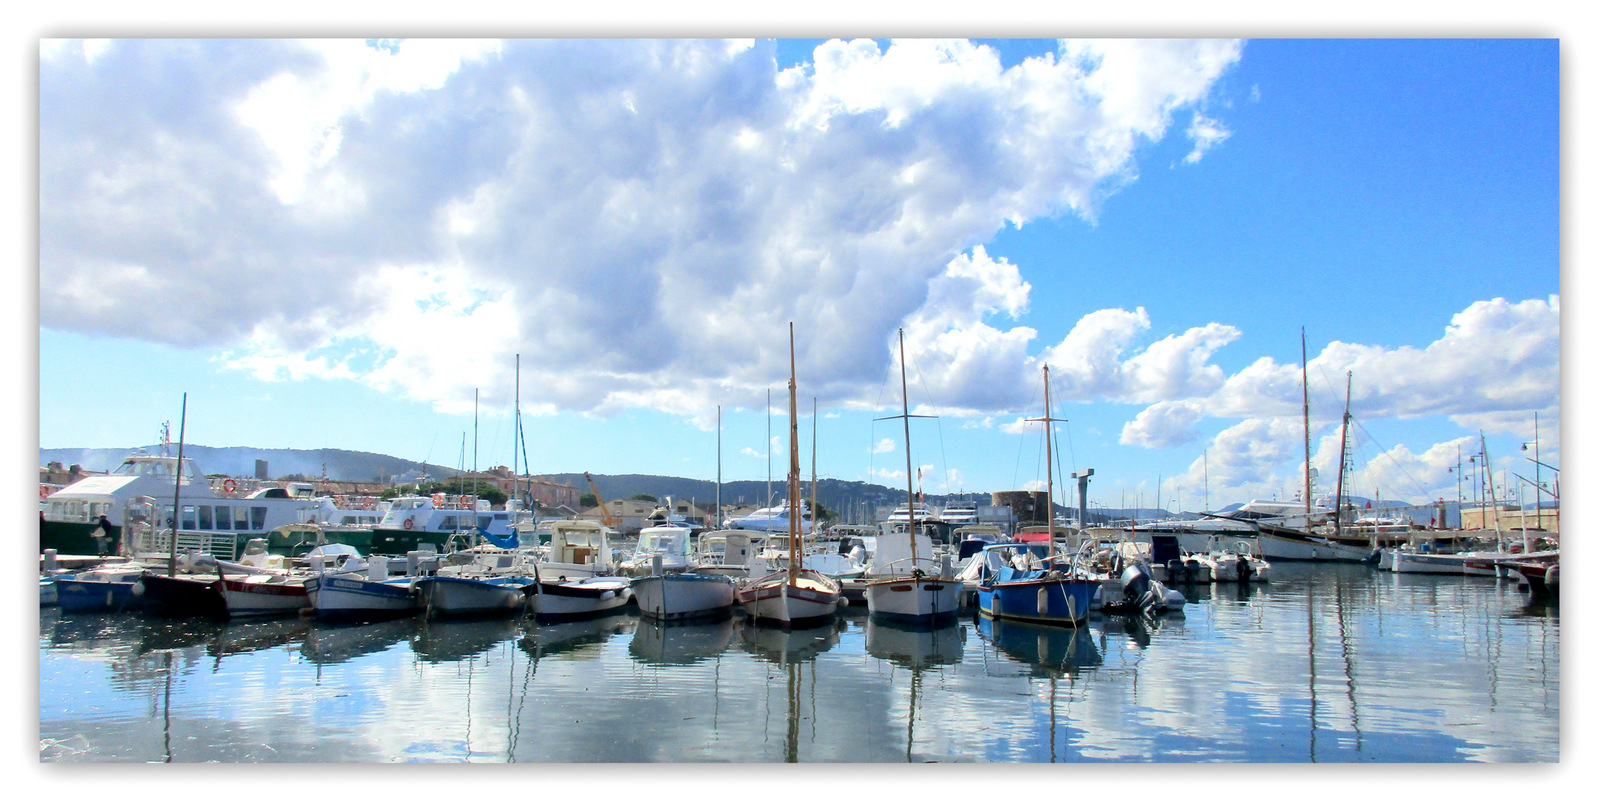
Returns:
(960,513)
(772,519)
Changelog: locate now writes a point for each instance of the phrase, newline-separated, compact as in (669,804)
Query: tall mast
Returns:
(768,501)
(1305,415)
(1494,503)
(177,487)
(719,466)
(905,410)
(813,464)
(1538,489)
(794,469)
(1344,430)
(1049,466)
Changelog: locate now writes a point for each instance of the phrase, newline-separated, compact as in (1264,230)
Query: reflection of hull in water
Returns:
(327,644)
(1048,648)
(555,639)
(441,641)
(680,644)
(912,647)
(778,644)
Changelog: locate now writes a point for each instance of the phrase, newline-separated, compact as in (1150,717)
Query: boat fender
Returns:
(1173,566)
(1044,600)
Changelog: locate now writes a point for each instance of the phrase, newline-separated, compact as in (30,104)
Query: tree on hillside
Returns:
(588,500)
(643,496)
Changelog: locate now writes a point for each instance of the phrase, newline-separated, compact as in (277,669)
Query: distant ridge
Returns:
(342,465)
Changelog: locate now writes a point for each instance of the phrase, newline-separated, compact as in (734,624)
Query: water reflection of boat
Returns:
(910,647)
(551,639)
(329,643)
(662,643)
(788,645)
(444,641)
(1047,650)
(71,629)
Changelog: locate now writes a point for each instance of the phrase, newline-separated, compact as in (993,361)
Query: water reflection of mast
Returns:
(1311,656)
(791,751)
(1344,650)
(166,716)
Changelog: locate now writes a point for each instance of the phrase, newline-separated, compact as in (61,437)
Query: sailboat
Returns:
(795,594)
(905,584)
(1029,581)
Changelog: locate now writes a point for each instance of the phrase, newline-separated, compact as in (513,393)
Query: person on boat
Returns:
(102,535)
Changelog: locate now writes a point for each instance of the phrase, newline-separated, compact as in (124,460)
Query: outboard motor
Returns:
(1244,569)
(1175,568)
(1137,591)
(1191,571)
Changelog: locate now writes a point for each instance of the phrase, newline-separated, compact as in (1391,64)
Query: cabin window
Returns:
(188,518)
(241,518)
(224,518)
(205,518)
(483,522)
(258,518)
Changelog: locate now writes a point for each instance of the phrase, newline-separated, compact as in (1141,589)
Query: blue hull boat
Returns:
(1022,581)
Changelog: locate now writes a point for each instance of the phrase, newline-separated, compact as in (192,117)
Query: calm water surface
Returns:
(1324,664)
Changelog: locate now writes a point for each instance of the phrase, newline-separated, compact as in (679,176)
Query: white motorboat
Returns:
(905,583)
(590,597)
(578,549)
(466,596)
(790,597)
(772,519)
(959,513)
(353,595)
(676,596)
(1237,564)
(669,543)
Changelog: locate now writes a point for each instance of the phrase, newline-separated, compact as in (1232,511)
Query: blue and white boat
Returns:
(105,588)
(1025,581)
(463,596)
(350,596)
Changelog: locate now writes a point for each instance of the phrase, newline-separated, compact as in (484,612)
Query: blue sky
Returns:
(333,246)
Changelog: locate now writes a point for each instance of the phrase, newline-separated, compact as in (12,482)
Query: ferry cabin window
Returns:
(205,518)
(224,518)
(258,518)
(447,523)
(188,518)
(241,518)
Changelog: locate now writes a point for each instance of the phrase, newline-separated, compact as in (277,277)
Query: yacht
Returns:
(772,519)
(960,513)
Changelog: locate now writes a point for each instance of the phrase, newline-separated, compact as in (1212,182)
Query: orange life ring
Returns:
(44,491)
(408,524)
(228,486)
(463,500)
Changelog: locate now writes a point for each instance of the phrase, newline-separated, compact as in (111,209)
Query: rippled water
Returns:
(1324,664)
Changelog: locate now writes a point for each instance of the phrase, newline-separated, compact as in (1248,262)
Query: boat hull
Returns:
(683,595)
(69,538)
(773,599)
(593,597)
(250,598)
(398,541)
(1448,564)
(914,600)
(94,595)
(336,597)
(451,597)
(1275,547)
(1064,602)
(182,597)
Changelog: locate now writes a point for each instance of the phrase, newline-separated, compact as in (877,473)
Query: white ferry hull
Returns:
(1274,547)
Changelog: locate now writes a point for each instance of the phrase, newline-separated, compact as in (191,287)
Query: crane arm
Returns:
(605,513)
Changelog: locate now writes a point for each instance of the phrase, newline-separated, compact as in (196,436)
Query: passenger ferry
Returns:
(214,520)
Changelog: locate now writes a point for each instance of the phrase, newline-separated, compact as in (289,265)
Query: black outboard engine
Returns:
(1244,569)
(1191,571)
(1137,591)
(1175,568)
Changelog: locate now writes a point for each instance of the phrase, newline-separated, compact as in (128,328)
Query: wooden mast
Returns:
(911,496)
(794,469)
(1305,415)
(177,487)
(1049,464)
(1344,432)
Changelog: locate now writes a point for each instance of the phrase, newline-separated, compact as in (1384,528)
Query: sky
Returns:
(349,243)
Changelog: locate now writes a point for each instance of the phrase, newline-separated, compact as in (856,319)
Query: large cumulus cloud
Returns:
(639,219)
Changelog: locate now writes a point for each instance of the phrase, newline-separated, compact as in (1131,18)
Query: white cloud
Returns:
(1207,133)
(1165,424)
(643,216)
(884,446)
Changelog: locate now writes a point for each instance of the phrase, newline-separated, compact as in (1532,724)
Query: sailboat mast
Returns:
(1305,416)
(719,466)
(516,430)
(177,487)
(1344,432)
(1494,503)
(1049,474)
(911,496)
(794,470)
(813,464)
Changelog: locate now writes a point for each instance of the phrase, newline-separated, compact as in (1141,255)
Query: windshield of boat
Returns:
(674,542)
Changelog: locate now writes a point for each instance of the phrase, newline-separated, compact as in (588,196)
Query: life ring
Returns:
(44,491)
(228,486)
(463,500)
(408,524)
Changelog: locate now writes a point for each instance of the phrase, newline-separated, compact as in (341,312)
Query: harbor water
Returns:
(1325,663)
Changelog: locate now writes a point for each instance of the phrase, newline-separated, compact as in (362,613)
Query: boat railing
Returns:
(152,542)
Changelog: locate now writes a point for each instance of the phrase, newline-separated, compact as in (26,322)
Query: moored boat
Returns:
(591,597)
(464,596)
